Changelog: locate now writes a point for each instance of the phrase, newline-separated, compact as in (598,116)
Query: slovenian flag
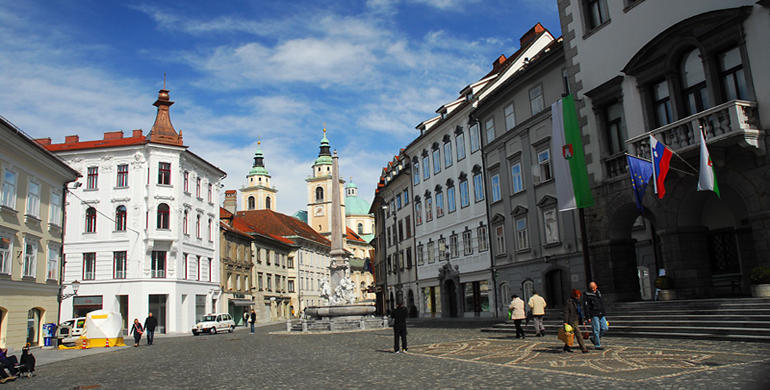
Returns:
(569,165)
(707,180)
(661,157)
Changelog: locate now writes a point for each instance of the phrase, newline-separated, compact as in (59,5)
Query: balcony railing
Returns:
(158,273)
(734,119)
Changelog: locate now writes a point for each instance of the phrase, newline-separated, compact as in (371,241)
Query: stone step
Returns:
(646,333)
(667,323)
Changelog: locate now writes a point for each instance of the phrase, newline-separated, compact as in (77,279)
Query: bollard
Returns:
(362,324)
(107,342)
(288,325)
(83,345)
(304,326)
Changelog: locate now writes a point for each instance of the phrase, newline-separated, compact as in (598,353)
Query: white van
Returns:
(69,331)
(213,323)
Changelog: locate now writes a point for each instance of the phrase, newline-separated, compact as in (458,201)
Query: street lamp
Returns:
(62,296)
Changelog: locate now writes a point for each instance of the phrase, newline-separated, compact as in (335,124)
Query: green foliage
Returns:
(664,283)
(760,275)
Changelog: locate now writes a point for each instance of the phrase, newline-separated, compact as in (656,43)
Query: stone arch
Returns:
(268,203)
(319,194)
(252,203)
(35,321)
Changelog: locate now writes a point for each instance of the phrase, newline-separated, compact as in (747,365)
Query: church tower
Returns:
(258,193)
(319,191)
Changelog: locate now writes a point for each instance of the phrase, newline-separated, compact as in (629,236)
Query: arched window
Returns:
(163,216)
(33,326)
(90,220)
(319,194)
(120,219)
(185,220)
(360,228)
(211,230)
(198,226)
(252,203)
(267,203)
(694,83)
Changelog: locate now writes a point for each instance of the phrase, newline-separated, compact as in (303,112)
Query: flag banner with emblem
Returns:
(640,171)
(661,158)
(707,180)
(572,187)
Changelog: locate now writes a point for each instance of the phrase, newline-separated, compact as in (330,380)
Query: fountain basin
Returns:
(339,311)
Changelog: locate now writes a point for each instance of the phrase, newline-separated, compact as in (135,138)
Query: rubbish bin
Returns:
(49,334)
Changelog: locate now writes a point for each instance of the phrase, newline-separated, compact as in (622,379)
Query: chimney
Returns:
(231,201)
(496,64)
(137,133)
(71,139)
(43,141)
(108,135)
(530,35)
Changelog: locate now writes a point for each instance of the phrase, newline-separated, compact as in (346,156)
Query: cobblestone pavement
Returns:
(442,356)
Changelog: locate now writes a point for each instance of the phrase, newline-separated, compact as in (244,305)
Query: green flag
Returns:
(572,187)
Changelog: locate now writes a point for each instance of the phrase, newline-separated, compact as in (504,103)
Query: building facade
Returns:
(33,184)
(534,246)
(236,268)
(142,230)
(689,66)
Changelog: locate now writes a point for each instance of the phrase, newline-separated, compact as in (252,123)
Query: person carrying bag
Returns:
(572,321)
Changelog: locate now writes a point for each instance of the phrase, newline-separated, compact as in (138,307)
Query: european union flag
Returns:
(640,171)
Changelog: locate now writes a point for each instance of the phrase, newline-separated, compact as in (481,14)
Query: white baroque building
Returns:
(142,227)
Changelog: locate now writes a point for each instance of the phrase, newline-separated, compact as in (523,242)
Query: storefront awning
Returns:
(241,302)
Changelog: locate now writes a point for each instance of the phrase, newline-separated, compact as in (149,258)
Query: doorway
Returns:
(123,309)
(157,304)
(555,292)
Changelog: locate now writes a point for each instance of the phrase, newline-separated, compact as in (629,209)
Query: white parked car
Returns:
(69,331)
(213,323)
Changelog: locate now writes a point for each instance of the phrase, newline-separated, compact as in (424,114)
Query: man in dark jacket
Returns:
(252,320)
(399,326)
(149,326)
(594,313)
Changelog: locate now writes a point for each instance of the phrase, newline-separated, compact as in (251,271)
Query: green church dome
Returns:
(356,206)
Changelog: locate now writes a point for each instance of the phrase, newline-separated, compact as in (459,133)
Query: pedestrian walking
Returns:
(537,305)
(137,331)
(252,320)
(573,318)
(399,326)
(517,314)
(245,318)
(149,326)
(593,308)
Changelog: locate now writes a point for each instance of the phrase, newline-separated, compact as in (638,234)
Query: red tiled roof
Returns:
(224,225)
(275,224)
(101,143)
(351,235)
(224,214)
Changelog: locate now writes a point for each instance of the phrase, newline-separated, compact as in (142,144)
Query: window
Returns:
(467,246)
(460,142)
(185,222)
(398,201)
(475,144)
(431,252)
(439,204)
(119,264)
(416,173)
(406,196)
(198,226)
(482,236)
(408,258)
(516,180)
(442,250)
(187,182)
(52,269)
(408,223)
(731,75)
(9,189)
(453,248)
(544,162)
(694,83)
(291,286)
(614,128)
(55,216)
(211,199)
(551,225)
(447,154)
(489,125)
(267,203)
(120,218)
(122,176)
(89,266)
(198,188)
(289,262)
(93,178)
(500,239)
(5,255)
(30,258)
(510,117)
(420,255)
(464,196)
(319,194)
(91,220)
(536,99)
(252,203)
(418,212)
(164,173)
(450,199)
(595,13)
(496,188)
(209,269)
(425,167)
(661,103)
(33,199)
(211,230)
(478,187)
(163,216)
(428,209)
(159,264)
(522,233)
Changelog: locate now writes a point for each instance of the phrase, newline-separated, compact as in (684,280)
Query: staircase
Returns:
(735,319)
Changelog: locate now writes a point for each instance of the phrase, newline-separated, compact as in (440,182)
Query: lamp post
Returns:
(60,296)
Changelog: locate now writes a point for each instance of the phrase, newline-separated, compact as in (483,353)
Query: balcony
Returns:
(733,122)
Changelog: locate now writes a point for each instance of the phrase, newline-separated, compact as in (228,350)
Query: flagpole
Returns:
(654,175)
(670,168)
(584,241)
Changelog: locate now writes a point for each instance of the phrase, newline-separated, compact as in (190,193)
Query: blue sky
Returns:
(239,70)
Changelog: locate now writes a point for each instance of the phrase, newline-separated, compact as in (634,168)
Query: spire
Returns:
(324,155)
(162,130)
(259,162)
